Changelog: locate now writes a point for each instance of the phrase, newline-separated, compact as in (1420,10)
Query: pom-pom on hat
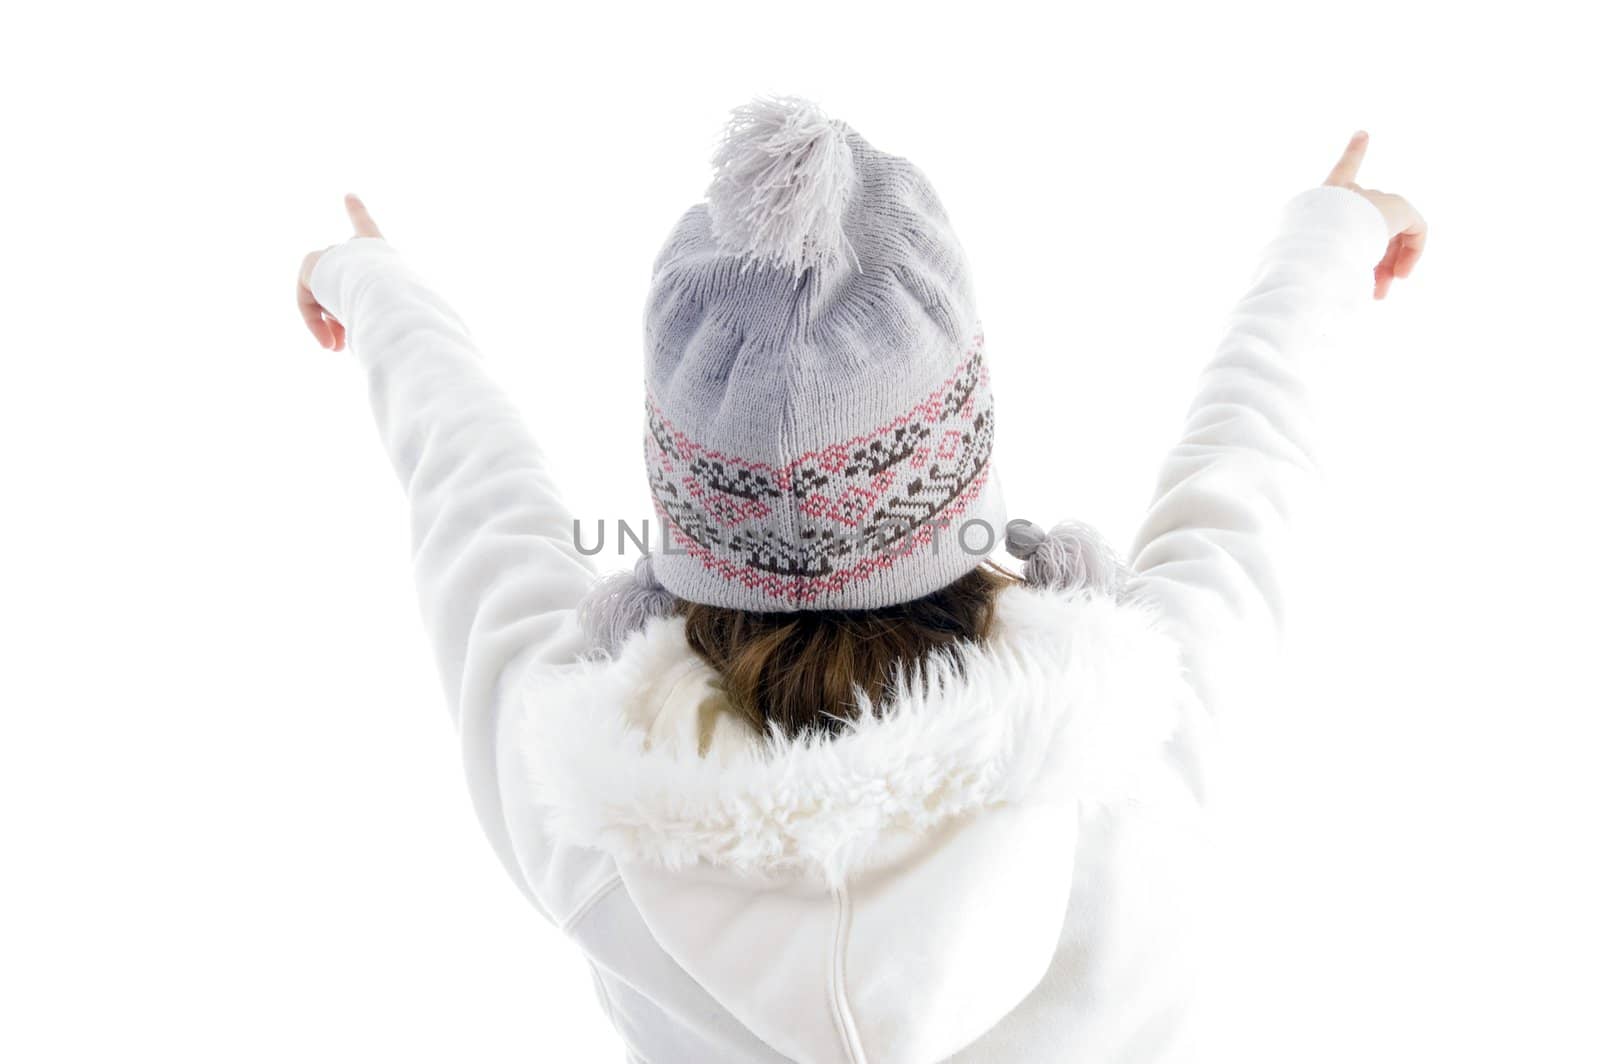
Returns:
(819,421)
(784,177)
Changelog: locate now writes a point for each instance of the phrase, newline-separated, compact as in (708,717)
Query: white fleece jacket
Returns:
(1001,867)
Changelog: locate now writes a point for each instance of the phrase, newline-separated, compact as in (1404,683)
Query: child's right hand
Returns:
(329,331)
(1407,231)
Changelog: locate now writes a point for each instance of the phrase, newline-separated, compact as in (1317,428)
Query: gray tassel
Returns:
(621,604)
(1070,557)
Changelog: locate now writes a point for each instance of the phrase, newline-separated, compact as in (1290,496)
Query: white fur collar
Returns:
(1071,698)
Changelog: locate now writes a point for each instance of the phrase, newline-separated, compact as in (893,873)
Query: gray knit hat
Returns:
(818,408)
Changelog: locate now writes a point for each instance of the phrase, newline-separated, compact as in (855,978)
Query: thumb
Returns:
(360,217)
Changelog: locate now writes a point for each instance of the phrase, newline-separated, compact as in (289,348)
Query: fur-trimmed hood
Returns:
(1070,699)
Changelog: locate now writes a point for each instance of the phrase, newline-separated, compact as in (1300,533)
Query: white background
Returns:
(233,824)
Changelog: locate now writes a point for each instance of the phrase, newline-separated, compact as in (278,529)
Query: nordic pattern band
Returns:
(834,516)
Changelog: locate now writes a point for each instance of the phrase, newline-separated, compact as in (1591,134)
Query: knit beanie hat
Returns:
(819,421)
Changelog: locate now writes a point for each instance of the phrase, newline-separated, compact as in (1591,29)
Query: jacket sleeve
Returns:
(497,574)
(1206,553)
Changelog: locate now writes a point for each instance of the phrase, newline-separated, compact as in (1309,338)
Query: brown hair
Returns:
(801,670)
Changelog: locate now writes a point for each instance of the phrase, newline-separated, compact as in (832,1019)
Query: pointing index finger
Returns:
(1344,171)
(360,218)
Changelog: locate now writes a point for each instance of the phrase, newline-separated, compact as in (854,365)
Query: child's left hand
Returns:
(1407,230)
(323,326)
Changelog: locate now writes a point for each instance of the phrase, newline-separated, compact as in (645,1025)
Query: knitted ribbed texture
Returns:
(818,407)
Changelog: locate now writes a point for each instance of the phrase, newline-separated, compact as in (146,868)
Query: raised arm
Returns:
(497,574)
(1206,554)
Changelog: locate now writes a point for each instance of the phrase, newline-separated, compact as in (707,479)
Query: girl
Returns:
(818,782)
